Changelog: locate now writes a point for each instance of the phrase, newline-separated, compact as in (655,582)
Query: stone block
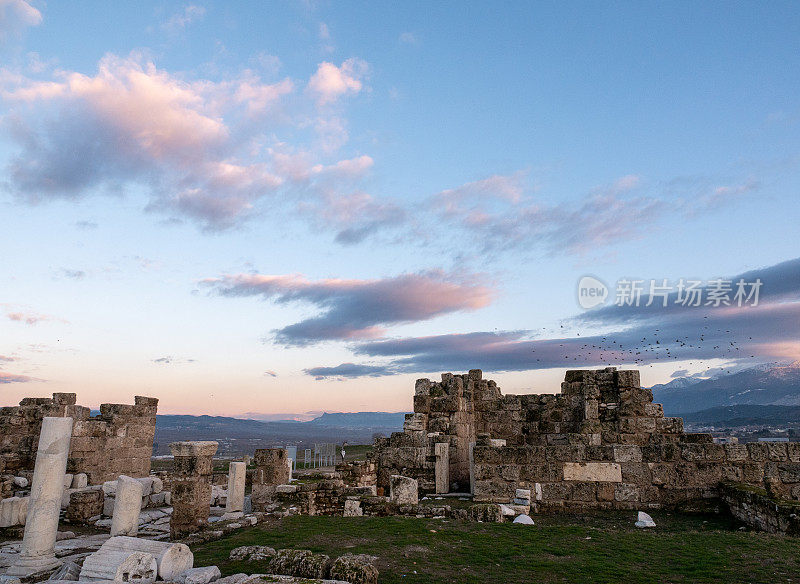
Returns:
(593,471)
(403,490)
(627,453)
(626,493)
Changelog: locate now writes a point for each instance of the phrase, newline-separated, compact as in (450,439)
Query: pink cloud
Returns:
(204,149)
(330,82)
(360,309)
(12,378)
(27,317)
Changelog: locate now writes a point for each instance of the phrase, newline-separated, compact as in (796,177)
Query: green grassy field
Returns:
(559,548)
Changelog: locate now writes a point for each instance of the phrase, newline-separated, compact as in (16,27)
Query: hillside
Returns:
(237,435)
(757,386)
(746,415)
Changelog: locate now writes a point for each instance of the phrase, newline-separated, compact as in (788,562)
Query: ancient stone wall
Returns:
(753,506)
(358,473)
(117,441)
(601,442)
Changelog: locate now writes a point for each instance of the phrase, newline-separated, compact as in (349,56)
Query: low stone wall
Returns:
(117,441)
(359,473)
(632,476)
(754,507)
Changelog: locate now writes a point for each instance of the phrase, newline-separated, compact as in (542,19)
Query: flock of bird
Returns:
(707,344)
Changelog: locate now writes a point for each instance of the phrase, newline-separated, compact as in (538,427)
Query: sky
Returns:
(248,208)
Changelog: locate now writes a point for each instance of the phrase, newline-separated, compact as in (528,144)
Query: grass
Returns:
(559,548)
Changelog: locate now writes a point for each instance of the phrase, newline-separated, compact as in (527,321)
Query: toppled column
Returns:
(120,566)
(41,525)
(191,486)
(442,451)
(272,466)
(237,472)
(127,506)
(171,558)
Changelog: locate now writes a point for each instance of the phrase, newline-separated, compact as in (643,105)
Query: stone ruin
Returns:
(126,556)
(600,443)
(117,441)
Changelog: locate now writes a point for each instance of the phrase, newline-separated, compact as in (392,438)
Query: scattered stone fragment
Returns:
(403,490)
(302,563)
(252,553)
(199,575)
(68,571)
(524,520)
(355,568)
(644,520)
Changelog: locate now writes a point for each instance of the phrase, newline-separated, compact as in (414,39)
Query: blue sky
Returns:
(264,207)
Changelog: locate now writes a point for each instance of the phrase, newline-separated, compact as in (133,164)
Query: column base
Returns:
(26,566)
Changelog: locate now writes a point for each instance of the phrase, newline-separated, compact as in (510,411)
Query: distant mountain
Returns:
(761,385)
(237,435)
(678,383)
(745,415)
(361,420)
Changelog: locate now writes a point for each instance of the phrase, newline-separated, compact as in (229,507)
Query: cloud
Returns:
(170,360)
(73,274)
(330,82)
(499,213)
(203,150)
(84,224)
(12,378)
(348,370)
(15,16)
(357,216)
(358,309)
(180,20)
(737,335)
(408,38)
(270,373)
(194,145)
(30,318)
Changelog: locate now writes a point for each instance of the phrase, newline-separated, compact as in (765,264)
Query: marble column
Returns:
(47,488)
(127,507)
(236,481)
(191,486)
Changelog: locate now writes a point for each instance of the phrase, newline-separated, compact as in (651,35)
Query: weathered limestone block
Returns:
(301,563)
(352,507)
(13,511)
(80,480)
(84,504)
(252,553)
(41,527)
(415,422)
(202,575)
(593,471)
(120,566)
(355,568)
(271,466)
(403,490)
(442,452)
(127,506)
(171,558)
(191,486)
